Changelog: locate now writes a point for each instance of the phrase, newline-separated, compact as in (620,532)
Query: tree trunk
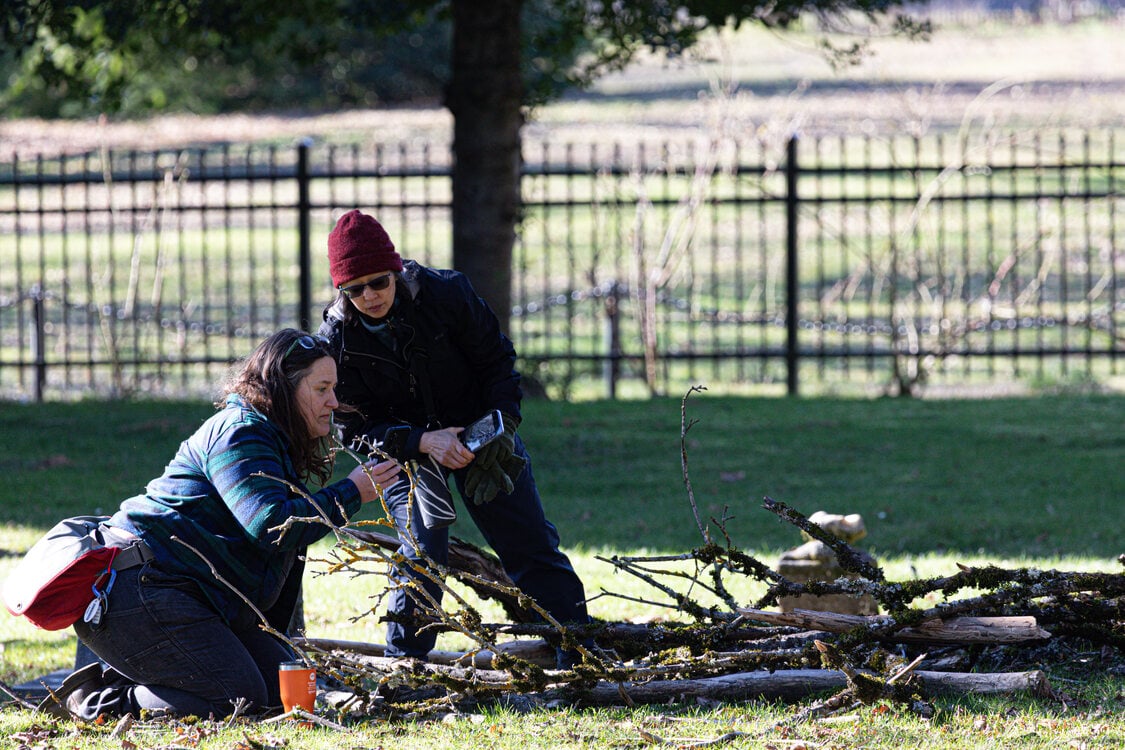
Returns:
(485,96)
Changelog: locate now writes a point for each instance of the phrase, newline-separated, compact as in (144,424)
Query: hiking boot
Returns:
(566,659)
(66,700)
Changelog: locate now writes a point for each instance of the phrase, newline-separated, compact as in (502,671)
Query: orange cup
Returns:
(298,686)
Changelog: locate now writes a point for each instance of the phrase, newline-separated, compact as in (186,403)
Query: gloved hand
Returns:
(501,448)
(483,485)
(473,477)
(513,466)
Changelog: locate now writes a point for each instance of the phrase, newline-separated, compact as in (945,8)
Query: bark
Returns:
(1020,629)
(797,684)
(485,97)
(632,640)
(421,676)
(1033,682)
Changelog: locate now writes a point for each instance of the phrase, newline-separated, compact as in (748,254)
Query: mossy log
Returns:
(994,630)
(797,684)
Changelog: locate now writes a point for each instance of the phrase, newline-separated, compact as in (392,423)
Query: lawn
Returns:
(1032,481)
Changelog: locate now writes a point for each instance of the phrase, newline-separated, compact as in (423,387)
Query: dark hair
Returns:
(268,380)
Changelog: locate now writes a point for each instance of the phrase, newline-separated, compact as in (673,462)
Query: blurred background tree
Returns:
(295,70)
(487,61)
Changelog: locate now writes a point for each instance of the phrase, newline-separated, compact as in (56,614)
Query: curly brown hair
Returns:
(268,381)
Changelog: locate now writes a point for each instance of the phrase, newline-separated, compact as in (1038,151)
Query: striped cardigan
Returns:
(221,495)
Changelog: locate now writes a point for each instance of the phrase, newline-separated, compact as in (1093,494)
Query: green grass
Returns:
(1010,481)
(1033,481)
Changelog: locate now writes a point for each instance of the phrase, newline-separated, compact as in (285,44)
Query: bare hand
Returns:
(446,448)
(373,477)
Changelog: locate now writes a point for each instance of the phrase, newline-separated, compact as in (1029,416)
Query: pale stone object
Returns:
(815,561)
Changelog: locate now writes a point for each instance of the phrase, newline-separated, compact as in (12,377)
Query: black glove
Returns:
(500,449)
(513,466)
(473,477)
(483,485)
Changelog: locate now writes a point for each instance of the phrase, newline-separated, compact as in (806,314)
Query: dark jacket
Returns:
(444,334)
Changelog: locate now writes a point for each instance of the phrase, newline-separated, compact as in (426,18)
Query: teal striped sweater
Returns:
(221,495)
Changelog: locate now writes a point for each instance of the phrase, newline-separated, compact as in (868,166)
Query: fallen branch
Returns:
(728,652)
(798,684)
(1033,682)
(7,690)
(537,652)
(1012,629)
(467,558)
(848,557)
(631,639)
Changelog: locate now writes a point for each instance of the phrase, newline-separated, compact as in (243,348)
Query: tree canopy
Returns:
(503,56)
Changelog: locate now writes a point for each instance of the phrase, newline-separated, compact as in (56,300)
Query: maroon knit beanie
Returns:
(359,246)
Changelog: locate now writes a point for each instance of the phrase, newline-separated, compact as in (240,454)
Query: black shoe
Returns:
(64,701)
(566,659)
(570,659)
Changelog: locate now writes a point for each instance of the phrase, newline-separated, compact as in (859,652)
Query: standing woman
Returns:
(176,637)
(418,349)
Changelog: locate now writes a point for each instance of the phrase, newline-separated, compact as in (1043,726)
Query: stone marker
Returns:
(815,561)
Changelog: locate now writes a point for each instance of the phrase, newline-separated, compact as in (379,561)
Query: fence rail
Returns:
(825,264)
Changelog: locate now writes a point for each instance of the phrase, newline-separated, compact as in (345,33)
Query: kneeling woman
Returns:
(175,635)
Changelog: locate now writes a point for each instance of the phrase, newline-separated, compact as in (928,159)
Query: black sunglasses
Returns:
(378,284)
(305,341)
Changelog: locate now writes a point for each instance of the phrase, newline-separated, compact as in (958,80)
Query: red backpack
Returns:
(56,580)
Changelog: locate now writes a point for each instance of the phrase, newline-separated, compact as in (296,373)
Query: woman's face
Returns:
(372,294)
(316,397)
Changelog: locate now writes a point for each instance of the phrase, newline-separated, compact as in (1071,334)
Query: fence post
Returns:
(38,345)
(304,208)
(792,364)
(612,335)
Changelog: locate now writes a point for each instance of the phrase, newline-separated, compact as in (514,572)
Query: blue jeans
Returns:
(518,531)
(169,649)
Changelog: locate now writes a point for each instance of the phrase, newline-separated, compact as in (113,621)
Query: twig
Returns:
(7,690)
(239,707)
(904,671)
(263,622)
(686,425)
(682,601)
(721,740)
(300,714)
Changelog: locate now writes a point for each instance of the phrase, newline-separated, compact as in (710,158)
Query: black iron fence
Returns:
(831,264)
